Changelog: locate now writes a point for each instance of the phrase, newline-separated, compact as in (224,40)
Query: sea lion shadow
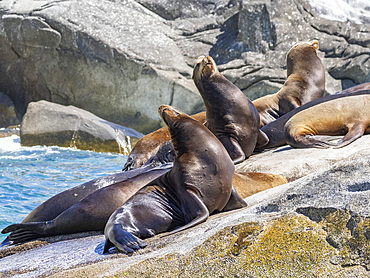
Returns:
(283,149)
(100,247)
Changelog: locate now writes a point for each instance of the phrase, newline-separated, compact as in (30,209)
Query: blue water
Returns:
(31,175)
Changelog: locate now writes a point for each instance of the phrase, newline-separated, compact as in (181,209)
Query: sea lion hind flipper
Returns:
(129,165)
(355,132)
(262,139)
(235,202)
(123,240)
(25,231)
(194,209)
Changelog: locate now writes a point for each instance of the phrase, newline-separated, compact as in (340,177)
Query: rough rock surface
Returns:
(295,163)
(8,114)
(122,59)
(316,226)
(51,124)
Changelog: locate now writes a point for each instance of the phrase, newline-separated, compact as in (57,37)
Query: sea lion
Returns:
(89,213)
(247,184)
(55,205)
(349,116)
(199,183)
(275,129)
(149,145)
(305,82)
(356,88)
(230,115)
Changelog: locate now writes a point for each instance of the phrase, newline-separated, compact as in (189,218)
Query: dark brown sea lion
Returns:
(199,183)
(356,88)
(349,116)
(230,115)
(149,145)
(305,82)
(275,129)
(89,213)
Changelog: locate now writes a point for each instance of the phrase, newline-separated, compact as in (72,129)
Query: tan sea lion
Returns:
(230,115)
(305,82)
(199,183)
(275,129)
(247,184)
(349,116)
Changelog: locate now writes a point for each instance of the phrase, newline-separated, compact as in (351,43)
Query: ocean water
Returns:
(31,175)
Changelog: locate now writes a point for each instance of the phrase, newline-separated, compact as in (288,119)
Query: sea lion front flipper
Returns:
(122,239)
(107,245)
(262,139)
(234,149)
(235,201)
(195,211)
(355,132)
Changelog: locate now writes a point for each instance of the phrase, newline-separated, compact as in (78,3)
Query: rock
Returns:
(296,163)
(318,222)
(50,124)
(8,114)
(7,132)
(140,54)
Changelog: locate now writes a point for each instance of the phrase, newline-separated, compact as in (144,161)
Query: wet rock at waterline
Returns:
(50,124)
(122,59)
(318,222)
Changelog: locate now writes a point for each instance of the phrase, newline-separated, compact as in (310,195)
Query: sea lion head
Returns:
(302,53)
(204,68)
(169,115)
(184,129)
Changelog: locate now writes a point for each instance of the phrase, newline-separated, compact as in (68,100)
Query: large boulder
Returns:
(52,124)
(317,225)
(122,59)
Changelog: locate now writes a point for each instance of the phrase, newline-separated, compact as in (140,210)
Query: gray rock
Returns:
(323,216)
(122,59)
(296,163)
(8,114)
(50,124)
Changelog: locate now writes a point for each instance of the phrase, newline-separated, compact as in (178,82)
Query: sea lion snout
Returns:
(167,113)
(315,44)
(204,67)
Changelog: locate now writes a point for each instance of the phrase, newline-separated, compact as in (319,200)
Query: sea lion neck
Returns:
(182,132)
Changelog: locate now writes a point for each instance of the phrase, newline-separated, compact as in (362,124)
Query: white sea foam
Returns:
(357,11)
(9,144)
(13,144)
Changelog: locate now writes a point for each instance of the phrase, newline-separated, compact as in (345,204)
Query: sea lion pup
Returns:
(199,183)
(230,115)
(89,214)
(349,116)
(275,129)
(305,82)
(149,145)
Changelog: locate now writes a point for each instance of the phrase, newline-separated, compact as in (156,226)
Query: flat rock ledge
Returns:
(51,124)
(315,226)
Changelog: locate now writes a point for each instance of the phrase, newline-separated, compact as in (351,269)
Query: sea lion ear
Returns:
(315,44)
